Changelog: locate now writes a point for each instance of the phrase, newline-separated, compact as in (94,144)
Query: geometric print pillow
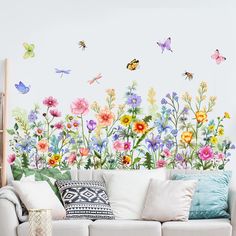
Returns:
(85,200)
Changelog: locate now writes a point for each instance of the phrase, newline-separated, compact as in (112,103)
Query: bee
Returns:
(188,75)
(82,44)
(133,65)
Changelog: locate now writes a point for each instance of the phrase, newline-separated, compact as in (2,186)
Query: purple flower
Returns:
(134,100)
(232,146)
(115,137)
(168,95)
(154,142)
(175,96)
(179,157)
(185,110)
(174,132)
(163,101)
(32,117)
(91,125)
(169,144)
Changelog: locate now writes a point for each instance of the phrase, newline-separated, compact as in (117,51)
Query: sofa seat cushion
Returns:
(61,228)
(125,228)
(216,227)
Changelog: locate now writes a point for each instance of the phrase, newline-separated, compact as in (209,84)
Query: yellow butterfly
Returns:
(133,65)
(29,50)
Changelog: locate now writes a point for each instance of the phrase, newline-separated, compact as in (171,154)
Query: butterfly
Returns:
(165,45)
(62,72)
(217,57)
(95,79)
(133,65)
(29,50)
(82,44)
(188,75)
(22,88)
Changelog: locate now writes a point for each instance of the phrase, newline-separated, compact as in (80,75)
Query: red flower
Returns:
(50,102)
(58,125)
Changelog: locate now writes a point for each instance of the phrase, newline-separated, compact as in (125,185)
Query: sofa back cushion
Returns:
(127,191)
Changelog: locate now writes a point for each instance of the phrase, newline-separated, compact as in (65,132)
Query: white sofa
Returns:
(9,225)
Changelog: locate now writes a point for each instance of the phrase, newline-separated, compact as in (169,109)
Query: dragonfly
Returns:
(95,79)
(62,72)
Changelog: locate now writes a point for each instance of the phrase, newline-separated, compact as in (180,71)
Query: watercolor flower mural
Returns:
(177,134)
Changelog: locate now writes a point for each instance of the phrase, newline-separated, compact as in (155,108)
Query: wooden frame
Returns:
(3,131)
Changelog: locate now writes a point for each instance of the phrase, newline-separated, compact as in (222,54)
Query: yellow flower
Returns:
(125,120)
(151,96)
(221,131)
(56,157)
(226,115)
(187,137)
(126,160)
(201,116)
(214,140)
(211,128)
(140,127)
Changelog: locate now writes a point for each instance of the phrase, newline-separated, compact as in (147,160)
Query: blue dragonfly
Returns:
(62,72)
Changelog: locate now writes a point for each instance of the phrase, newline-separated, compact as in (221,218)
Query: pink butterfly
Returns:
(165,45)
(217,57)
(95,79)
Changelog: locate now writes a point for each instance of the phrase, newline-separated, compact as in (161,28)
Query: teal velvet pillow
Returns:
(210,199)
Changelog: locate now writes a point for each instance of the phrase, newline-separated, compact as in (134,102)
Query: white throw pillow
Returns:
(169,200)
(39,195)
(127,191)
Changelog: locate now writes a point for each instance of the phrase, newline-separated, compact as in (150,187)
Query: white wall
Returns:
(115,36)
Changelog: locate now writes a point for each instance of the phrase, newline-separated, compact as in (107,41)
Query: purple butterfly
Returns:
(165,45)
(62,72)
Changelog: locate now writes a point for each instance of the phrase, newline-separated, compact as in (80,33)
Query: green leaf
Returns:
(28,172)
(136,161)
(148,163)
(221,167)
(25,161)
(147,119)
(17,172)
(16,127)
(11,131)
(88,164)
(97,154)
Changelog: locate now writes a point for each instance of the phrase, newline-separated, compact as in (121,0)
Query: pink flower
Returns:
(161,163)
(118,146)
(59,125)
(55,113)
(50,102)
(11,158)
(72,158)
(80,107)
(127,146)
(206,153)
(220,156)
(84,152)
(167,152)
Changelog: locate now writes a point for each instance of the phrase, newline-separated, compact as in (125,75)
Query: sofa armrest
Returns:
(8,218)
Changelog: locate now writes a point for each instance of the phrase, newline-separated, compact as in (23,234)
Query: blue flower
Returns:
(154,142)
(98,144)
(162,125)
(134,100)
(175,96)
(169,144)
(32,117)
(174,132)
(115,137)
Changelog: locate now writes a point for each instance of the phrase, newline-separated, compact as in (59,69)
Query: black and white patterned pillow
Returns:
(85,199)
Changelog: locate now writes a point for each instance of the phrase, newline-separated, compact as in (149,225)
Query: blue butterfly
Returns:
(22,88)
(62,72)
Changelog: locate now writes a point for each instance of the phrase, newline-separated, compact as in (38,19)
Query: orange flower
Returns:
(126,160)
(201,116)
(187,137)
(105,117)
(140,127)
(52,162)
(42,145)
(84,152)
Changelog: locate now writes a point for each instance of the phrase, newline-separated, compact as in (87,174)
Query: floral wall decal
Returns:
(177,135)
